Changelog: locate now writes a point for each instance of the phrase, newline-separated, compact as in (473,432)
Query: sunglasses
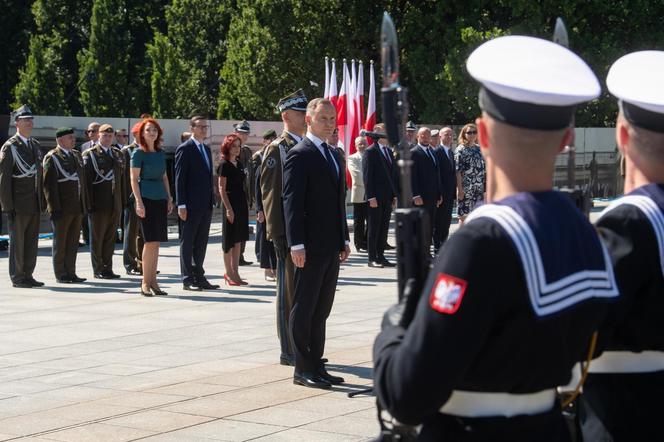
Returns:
(108,131)
(471,132)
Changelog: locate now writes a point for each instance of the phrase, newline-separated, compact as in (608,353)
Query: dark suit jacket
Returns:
(314,201)
(193,179)
(380,177)
(425,176)
(447,169)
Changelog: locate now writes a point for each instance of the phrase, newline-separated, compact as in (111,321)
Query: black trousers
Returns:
(193,243)
(442,221)
(285,294)
(315,284)
(23,245)
(66,231)
(378,226)
(544,427)
(265,255)
(622,407)
(430,209)
(260,235)
(360,225)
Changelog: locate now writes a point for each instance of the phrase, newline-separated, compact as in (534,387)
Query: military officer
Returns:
(256,159)
(292,108)
(65,200)
(621,398)
(242,130)
(411,133)
(132,241)
(21,198)
(104,173)
(514,297)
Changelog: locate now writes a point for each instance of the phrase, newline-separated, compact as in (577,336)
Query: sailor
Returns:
(515,296)
(621,399)
(65,199)
(21,198)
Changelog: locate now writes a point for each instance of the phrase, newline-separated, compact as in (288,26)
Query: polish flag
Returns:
(371,106)
(351,126)
(326,94)
(332,92)
(341,102)
(359,94)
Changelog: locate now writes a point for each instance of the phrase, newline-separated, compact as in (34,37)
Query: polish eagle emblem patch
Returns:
(447,293)
(270,163)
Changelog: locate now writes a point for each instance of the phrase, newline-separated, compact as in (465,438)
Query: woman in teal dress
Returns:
(149,184)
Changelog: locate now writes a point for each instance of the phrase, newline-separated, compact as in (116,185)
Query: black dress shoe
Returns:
(311,380)
(243,262)
(23,284)
(135,272)
(205,285)
(387,263)
(334,380)
(3,246)
(147,294)
(102,276)
(189,285)
(81,244)
(287,360)
(375,264)
(389,247)
(111,275)
(64,280)
(76,279)
(34,282)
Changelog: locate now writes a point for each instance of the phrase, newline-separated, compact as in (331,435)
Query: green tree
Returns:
(195,45)
(40,86)
(104,63)
(15,27)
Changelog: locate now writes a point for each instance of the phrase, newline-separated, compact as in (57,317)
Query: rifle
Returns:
(413,256)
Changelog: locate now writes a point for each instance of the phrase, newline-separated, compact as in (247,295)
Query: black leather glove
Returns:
(402,313)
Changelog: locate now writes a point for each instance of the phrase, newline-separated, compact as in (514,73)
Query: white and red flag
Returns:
(371,105)
(326,93)
(332,92)
(342,103)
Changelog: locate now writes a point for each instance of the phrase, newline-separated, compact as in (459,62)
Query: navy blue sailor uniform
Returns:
(622,394)
(508,309)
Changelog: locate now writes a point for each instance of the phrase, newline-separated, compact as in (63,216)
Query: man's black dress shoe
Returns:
(389,247)
(34,282)
(191,286)
(111,275)
(102,276)
(134,272)
(387,263)
(334,380)
(287,360)
(64,280)
(4,245)
(243,262)
(204,284)
(311,380)
(76,279)
(23,284)
(375,264)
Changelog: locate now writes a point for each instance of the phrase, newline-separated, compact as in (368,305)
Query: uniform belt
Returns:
(628,362)
(482,404)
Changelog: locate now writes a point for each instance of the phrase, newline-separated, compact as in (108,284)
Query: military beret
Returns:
(636,80)
(105,128)
(242,126)
(269,134)
(22,112)
(296,101)
(540,86)
(61,132)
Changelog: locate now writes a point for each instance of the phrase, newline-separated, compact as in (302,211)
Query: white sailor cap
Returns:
(636,80)
(530,82)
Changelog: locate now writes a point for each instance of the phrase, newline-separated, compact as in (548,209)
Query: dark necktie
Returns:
(387,156)
(202,151)
(330,160)
(430,155)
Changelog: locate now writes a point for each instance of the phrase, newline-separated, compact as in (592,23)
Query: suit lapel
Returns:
(322,161)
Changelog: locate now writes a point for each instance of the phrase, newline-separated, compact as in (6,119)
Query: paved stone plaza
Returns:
(97,361)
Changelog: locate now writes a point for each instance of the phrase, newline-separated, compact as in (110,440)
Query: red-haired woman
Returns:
(235,223)
(152,195)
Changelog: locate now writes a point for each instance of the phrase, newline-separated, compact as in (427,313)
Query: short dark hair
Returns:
(195,118)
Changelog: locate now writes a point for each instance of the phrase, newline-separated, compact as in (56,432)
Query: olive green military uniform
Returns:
(271,182)
(105,181)
(132,245)
(66,203)
(21,198)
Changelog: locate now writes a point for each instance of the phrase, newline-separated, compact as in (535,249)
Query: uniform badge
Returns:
(270,163)
(447,293)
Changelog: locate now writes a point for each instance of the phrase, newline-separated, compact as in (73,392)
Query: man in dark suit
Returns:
(426,178)
(194,188)
(447,169)
(92,132)
(315,213)
(379,170)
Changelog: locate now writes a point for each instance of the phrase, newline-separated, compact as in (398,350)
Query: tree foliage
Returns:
(16,23)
